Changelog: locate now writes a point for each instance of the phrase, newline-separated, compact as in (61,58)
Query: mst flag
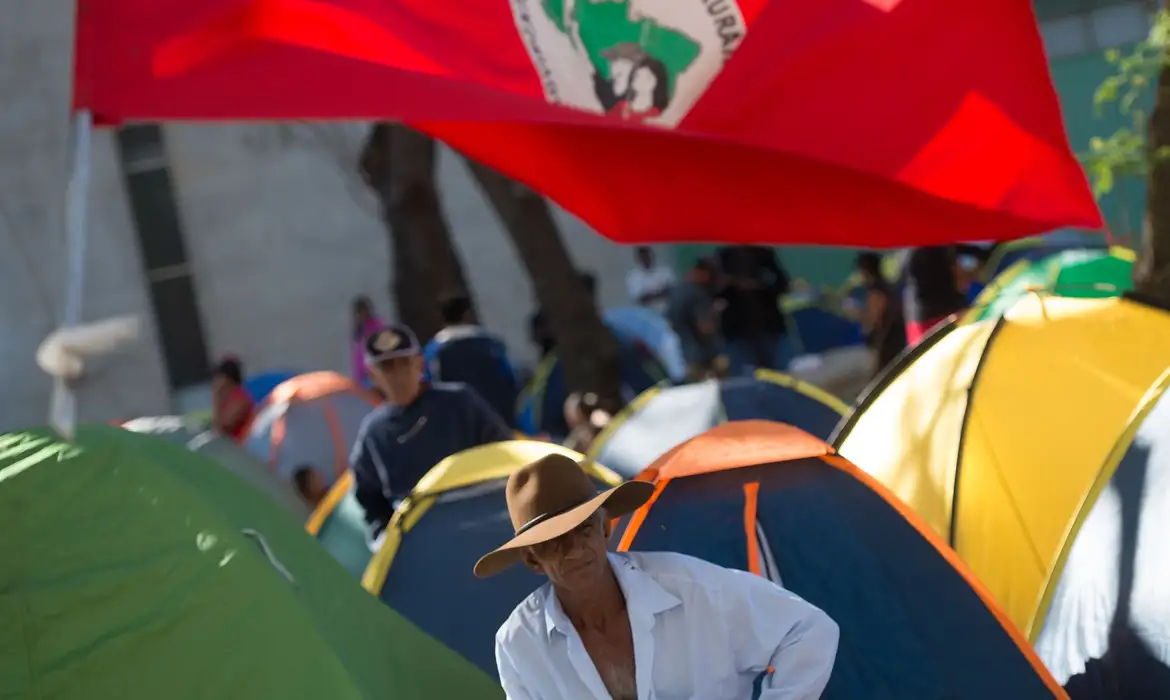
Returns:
(862,122)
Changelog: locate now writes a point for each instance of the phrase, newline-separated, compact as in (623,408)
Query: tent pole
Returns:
(63,411)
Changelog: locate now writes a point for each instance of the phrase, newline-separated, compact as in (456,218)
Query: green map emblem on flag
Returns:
(647,61)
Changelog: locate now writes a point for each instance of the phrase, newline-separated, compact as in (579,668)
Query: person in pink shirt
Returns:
(365,324)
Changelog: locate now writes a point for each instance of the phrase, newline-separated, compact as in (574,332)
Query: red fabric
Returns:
(917,330)
(238,395)
(863,122)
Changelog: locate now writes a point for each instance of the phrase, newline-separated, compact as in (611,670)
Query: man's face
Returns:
(645,258)
(619,70)
(574,561)
(399,378)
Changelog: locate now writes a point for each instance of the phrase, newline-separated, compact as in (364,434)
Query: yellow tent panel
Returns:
(907,435)
(1001,460)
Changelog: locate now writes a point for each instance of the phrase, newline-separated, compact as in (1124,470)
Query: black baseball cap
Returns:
(389,343)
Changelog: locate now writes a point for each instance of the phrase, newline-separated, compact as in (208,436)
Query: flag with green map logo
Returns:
(875,123)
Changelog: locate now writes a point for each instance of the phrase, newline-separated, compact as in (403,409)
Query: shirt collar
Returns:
(645,598)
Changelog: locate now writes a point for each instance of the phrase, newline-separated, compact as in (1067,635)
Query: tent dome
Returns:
(995,432)
(456,514)
(310,420)
(771,499)
(137,569)
(663,417)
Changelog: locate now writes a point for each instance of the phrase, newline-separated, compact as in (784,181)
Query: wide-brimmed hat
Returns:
(548,498)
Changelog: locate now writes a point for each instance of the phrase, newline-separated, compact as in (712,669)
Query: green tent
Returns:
(136,569)
(226,454)
(1086,274)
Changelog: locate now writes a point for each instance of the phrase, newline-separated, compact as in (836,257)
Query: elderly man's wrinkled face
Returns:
(575,560)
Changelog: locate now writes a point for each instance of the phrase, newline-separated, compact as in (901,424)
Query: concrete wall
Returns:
(281,236)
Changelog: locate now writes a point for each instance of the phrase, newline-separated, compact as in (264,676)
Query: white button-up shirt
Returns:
(701,632)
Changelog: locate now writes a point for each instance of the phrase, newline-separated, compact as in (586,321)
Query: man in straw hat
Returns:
(636,626)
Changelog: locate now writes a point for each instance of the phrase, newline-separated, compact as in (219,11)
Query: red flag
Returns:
(857,122)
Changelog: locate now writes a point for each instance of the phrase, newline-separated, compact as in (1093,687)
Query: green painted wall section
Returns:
(1076,79)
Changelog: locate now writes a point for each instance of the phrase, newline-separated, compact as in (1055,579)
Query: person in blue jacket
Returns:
(465,352)
(418,426)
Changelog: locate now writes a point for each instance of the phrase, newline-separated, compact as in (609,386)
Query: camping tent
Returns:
(642,324)
(310,420)
(261,385)
(227,454)
(456,514)
(136,569)
(774,500)
(1007,254)
(1105,616)
(994,432)
(541,407)
(1069,273)
(664,417)
(815,327)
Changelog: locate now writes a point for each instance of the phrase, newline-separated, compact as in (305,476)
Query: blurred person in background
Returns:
(231,404)
(464,352)
(881,317)
(933,290)
(540,333)
(309,485)
(363,324)
(752,323)
(693,317)
(418,426)
(586,417)
(649,283)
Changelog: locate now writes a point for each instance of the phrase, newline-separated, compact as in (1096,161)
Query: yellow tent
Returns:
(995,432)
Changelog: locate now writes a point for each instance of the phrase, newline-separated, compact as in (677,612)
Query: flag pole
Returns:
(63,409)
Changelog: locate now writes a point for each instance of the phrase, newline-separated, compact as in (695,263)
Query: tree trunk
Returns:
(587,349)
(1152,273)
(399,164)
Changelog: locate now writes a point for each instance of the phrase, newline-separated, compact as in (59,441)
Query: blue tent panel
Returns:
(261,385)
(431,583)
(1106,633)
(911,625)
(676,414)
(747,398)
(817,330)
(640,370)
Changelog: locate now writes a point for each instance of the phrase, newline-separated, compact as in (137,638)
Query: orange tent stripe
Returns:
(751,497)
(639,517)
(337,436)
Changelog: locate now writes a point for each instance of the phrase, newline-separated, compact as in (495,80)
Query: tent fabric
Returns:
(137,569)
(1037,247)
(227,454)
(261,385)
(664,417)
(984,156)
(310,420)
(455,515)
(826,531)
(1106,618)
(993,432)
(339,524)
(814,328)
(543,401)
(641,324)
(1082,273)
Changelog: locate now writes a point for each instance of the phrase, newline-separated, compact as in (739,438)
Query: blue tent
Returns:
(814,328)
(542,403)
(261,385)
(1106,630)
(640,324)
(664,417)
(457,514)
(914,624)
